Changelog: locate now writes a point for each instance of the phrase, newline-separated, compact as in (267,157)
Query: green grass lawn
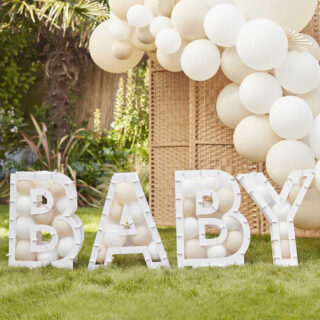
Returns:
(128,290)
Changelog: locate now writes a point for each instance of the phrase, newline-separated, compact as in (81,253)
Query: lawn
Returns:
(127,290)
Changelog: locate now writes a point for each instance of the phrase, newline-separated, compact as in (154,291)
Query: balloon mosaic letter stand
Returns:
(127,225)
(186,133)
(31,218)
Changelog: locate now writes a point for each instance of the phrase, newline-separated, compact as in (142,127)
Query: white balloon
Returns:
(48,256)
(318,175)
(262,44)
(231,223)
(121,7)
(229,107)
(216,252)
(153,250)
(213,3)
(23,226)
(263,192)
(226,199)
(143,236)
(259,91)
(168,41)
(294,14)
(200,60)
(23,206)
(281,211)
(233,67)
(283,227)
(234,241)
(189,187)
(193,250)
(313,100)
(190,228)
(187,18)
(136,212)
(299,72)
(159,23)
(171,62)
(112,237)
(286,156)
(23,252)
(119,29)
(315,48)
(291,118)
(314,137)
(212,183)
(65,246)
(139,16)
(254,137)
(223,23)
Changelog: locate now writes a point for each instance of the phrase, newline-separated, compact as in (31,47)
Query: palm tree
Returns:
(63,32)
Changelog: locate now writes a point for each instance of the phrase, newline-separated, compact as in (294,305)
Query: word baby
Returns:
(44,229)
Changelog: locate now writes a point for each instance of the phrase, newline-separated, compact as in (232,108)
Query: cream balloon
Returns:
(122,50)
(63,228)
(313,100)
(193,250)
(125,193)
(299,73)
(23,252)
(119,29)
(216,252)
(112,237)
(233,67)
(139,16)
(143,236)
(200,60)
(136,212)
(153,5)
(294,14)
(144,36)
(213,3)
(189,207)
(314,137)
(121,7)
(308,216)
(171,62)
(49,256)
(226,199)
(285,249)
(189,188)
(168,41)
(190,228)
(100,47)
(234,241)
(45,218)
(229,107)
(188,17)
(140,45)
(153,250)
(159,23)
(315,48)
(231,223)
(286,156)
(165,7)
(57,190)
(102,254)
(291,118)
(259,91)
(254,137)
(24,187)
(262,44)
(223,23)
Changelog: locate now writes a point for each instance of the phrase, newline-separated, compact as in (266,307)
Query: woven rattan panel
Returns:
(185,133)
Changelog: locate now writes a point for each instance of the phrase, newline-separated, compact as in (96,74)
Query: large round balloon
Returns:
(188,18)
(299,73)
(314,137)
(200,60)
(286,156)
(100,47)
(262,44)
(294,14)
(121,7)
(233,67)
(313,100)
(223,23)
(291,117)
(171,62)
(254,137)
(259,91)
(229,107)
(308,216)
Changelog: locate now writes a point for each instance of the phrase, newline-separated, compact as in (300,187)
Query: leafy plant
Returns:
(59,155)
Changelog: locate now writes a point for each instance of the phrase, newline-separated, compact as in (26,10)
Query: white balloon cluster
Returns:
(54,219)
